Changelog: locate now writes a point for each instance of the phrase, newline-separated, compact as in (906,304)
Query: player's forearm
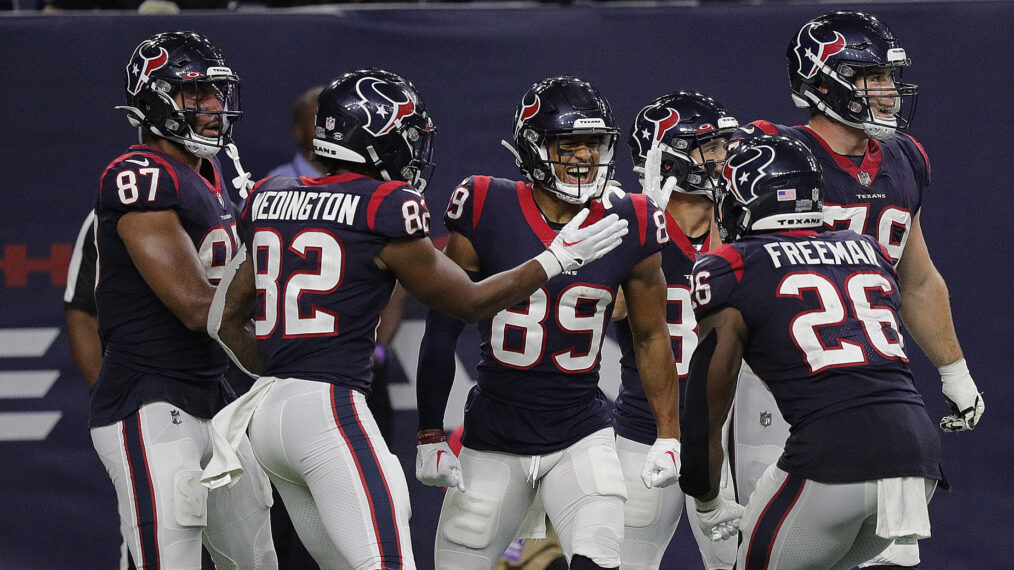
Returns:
(657,369)
(716,458)
(497,292)
(85,345)
(926,313)
(240,339)
(436,367)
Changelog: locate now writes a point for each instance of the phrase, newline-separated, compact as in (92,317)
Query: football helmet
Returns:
(769,183)
(559,107)
(378,118)
(831,53)
(183,65)
(681,122)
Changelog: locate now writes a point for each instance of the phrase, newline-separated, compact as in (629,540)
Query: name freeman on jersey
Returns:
(851,252)
(304,205)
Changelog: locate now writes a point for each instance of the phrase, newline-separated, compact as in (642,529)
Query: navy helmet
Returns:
(681,122)
(378,118)
(831,52)
(188,65)
(769,183)
(557,107)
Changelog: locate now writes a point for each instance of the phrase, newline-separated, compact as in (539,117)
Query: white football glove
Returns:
(653,186)
(962,396)
(662,465)
(437,466)
(719,518)
(576,247)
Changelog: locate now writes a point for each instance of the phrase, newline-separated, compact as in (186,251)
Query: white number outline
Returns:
(834,312)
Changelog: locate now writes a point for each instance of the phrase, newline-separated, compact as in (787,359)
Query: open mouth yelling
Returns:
(579,174)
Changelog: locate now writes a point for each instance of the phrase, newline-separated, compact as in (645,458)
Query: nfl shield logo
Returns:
(864,178)
(765,419)
(175,415)
(329,123)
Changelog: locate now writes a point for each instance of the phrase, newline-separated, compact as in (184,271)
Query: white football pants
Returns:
(155,458)
(343,489)
(581,488)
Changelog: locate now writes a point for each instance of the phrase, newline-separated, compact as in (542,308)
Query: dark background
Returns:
(60,77)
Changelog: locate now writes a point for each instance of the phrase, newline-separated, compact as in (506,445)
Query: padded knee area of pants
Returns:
(643,504)
(472,519)
(598,530)
(190,498)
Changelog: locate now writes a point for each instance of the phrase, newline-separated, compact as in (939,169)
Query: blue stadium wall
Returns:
(60,77)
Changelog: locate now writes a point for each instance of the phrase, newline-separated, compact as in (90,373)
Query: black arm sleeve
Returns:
(435,370)
(695,476)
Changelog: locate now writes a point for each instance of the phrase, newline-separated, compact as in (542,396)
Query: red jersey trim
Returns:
(729,253)
(533,216)
(640,202)
(378,198)
(871,160)
(479,192)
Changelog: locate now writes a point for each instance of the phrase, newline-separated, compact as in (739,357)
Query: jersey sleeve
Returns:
(751,131)
(714,280)
(80,292)
(138,182)
(917,156)
(397,210)
(646,226)
(466,205)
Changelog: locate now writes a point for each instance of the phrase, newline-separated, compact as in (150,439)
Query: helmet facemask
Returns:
(572,188)
(194,105)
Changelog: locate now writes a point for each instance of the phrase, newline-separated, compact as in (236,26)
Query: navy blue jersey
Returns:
(879,197)
(149,354)
(822,315)
(632,416)
(319,290)
(538,376)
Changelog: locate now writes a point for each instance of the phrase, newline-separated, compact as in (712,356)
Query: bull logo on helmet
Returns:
(662,124)
(143,64)
(527,111)
(744,170)
(811,52)
(385,105)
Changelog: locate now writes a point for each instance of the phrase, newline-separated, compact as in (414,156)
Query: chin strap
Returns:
(243,183)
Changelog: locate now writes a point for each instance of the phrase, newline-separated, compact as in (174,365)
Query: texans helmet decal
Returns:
(745,170)
(813,52)
(528,110)
(142,65)
(383,111)
(662,124)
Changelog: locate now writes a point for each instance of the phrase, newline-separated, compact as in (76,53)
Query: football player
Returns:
(846,69)
(538,436)
(816,316)
(324,256)
(678,144)
(165,233)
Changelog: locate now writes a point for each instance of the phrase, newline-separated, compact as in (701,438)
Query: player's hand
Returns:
(719,518)
(653,186)
(437,466)
(576,247)
(962,396)
(662,465)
